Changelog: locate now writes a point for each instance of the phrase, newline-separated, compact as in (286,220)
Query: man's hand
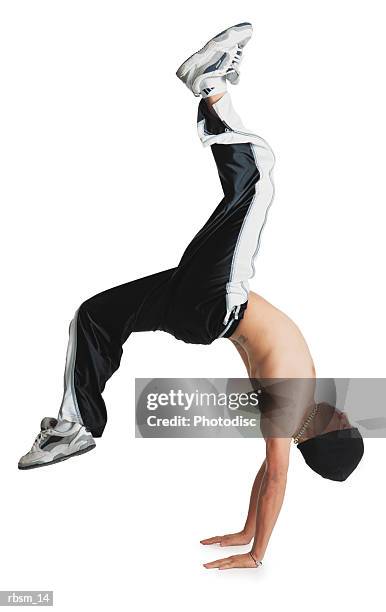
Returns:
(243,561)
(231,539)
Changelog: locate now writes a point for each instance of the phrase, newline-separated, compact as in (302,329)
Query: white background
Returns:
(104,180)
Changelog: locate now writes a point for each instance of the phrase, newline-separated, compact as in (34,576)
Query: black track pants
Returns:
(201,299)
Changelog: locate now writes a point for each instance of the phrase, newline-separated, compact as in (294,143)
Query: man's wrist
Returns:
(248,532)
(257,553)
(255,558)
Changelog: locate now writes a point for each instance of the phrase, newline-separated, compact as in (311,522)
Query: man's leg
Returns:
(209,288)
(98,331)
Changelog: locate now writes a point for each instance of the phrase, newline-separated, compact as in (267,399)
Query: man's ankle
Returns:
(210,100)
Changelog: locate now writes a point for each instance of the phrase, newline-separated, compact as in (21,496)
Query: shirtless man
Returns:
(205,298)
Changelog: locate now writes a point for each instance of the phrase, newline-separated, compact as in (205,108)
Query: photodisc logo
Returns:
(175,408)
(258,408)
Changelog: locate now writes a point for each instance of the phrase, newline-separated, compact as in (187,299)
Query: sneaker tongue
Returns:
(48,423)
(233,76)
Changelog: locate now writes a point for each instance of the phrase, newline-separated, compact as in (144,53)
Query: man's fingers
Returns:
(228,541)
(212,564)
(226,566)
(218,563)
(214,540)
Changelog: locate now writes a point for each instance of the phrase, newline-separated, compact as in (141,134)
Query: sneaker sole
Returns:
(223,40)
(58,460)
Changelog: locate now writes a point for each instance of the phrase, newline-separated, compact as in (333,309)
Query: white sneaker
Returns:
(53,445)
(220,56)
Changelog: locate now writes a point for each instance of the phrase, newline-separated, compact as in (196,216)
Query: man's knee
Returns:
(89,309)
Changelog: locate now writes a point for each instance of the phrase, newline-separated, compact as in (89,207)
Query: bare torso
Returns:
(270,343)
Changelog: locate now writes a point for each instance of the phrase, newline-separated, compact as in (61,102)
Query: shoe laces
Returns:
(237,57)
(42,435)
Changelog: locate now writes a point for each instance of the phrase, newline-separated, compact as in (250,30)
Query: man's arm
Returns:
(244,536)
(250,523)
(270,495)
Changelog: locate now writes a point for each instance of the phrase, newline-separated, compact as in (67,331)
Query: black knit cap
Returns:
(334,455)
